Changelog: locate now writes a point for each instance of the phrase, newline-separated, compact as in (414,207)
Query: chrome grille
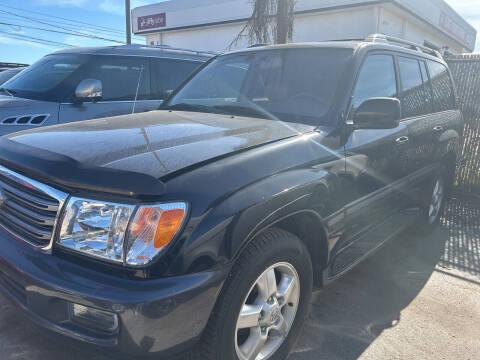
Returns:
(29,209)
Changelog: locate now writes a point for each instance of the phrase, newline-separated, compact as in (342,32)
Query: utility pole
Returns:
(128,26)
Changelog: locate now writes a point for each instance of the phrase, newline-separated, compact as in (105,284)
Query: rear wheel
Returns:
(436,198)
(264,302)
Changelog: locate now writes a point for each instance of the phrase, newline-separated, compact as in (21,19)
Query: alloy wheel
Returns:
(267,313)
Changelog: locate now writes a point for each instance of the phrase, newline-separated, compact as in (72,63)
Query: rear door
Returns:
(124,79)
(446,114)
(417,111)
(427,101)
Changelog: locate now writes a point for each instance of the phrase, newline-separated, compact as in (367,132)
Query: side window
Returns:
(443,94)
(427,87)
(412,95)
(377,79)
(168,74)
(120,77)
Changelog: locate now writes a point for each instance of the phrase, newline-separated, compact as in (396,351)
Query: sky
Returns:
(105,19)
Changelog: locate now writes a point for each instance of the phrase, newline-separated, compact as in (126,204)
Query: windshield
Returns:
(47,79)
(294,85)
(8,74)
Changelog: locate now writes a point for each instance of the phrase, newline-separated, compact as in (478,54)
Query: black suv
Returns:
(270,171)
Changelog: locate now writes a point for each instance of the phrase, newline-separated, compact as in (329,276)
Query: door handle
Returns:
(402,140)
(438,128)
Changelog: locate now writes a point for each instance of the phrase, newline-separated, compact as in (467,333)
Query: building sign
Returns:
(457,31)
(152,21)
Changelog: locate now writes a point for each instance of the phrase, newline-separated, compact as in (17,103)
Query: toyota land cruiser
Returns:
(206,224)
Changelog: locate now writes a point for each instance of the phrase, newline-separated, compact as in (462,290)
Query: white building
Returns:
(213,24)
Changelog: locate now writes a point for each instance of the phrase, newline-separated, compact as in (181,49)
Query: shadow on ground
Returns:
(350,314)
(347,316)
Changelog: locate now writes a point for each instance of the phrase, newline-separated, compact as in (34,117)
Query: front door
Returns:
(375,167)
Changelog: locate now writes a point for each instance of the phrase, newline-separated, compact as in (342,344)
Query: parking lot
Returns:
(417,298)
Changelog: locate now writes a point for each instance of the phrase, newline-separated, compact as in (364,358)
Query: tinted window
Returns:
(169,74)
(120,77)
(294,85)
(443,94)
(377,79)
(413,96)
(427,87)
(221,82)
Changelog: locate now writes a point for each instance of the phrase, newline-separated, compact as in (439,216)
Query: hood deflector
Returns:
(68,174)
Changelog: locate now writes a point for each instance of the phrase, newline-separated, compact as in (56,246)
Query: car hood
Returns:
(15,107)
(159,142)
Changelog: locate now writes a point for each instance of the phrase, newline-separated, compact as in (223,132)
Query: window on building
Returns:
(443,94)
(169,74)
(377,79)
(120,77)
(412,96)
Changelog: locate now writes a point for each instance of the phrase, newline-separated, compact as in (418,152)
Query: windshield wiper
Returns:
(189,107)
(9,92)
(245,111)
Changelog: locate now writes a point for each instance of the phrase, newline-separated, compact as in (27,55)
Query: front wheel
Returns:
(264,302)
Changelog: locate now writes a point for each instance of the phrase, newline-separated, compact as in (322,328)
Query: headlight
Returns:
(128,234)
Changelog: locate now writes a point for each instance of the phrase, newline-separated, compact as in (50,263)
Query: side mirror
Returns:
(89,90)
(378,113)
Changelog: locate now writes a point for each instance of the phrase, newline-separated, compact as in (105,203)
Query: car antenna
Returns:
(138,87)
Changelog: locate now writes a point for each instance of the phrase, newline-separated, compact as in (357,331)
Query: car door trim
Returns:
(383,192)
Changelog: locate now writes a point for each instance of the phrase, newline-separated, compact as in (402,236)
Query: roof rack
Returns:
(381,38)
(11,65)
(168,47)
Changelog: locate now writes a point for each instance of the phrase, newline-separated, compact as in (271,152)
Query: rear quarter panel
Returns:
(449,141)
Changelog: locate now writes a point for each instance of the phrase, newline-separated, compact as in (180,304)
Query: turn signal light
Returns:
(152,229)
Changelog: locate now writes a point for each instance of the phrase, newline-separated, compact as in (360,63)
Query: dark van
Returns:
(89,83)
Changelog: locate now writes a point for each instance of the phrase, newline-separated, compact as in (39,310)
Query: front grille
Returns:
(28,209)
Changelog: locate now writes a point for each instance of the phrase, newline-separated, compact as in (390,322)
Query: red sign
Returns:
(152,21)
(456,30)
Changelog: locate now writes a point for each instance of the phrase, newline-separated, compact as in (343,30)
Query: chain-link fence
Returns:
(466,73)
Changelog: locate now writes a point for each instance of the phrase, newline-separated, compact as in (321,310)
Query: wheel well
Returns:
(308,228)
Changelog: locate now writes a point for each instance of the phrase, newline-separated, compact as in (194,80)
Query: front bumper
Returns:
(161,316)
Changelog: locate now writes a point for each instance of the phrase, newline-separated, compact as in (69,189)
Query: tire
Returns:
(225,337)
(434,205)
